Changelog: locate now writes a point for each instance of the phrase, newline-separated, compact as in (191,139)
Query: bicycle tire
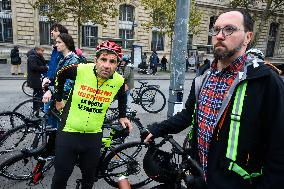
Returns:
(17,163)
(26,89)
(133,135)
(26,108)
(167,186)
(23,167)
(9,120)
(149,98)
(17,138)
(126,159)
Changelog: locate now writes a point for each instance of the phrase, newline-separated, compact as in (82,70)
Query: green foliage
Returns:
(163,13)
(270,9)
(96,11)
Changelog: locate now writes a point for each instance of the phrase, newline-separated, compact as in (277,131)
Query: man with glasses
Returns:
(235,110)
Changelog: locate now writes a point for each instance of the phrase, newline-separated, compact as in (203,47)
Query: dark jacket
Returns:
(15,56)
(261,136)
(36,67)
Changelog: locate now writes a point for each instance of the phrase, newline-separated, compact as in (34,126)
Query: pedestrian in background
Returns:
(126,70)
(36,67)
(164,62)
(154,60)
(205,66)
(82,58)
(15,61)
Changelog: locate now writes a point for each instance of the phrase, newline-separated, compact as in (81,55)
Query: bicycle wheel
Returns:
(26,89)
(126,159)
(152,100)
(8,120)
(25,167)
(26,108)
(19,167)
(17,138)
(133,135)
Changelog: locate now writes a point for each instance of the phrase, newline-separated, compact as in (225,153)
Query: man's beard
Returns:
(222,55)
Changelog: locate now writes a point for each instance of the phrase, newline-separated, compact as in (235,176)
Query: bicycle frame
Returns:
(186,169)
(137,91)
(107,147)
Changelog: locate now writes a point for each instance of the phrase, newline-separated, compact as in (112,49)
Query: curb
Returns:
(136,78)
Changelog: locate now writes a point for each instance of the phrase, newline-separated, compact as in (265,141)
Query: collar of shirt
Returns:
(235,66)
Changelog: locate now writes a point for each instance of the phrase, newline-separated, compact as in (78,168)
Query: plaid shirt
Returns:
(209,103)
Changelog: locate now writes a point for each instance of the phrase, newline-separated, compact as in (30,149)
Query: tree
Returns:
(270,8)
(96,11)
(163,13)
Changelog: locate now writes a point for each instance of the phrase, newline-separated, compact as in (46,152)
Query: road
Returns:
(11,95)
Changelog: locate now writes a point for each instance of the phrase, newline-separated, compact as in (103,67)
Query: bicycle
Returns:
(26,89)
(8,120)
(114,161)
(149,97)
(26,108)
(173,169)
(21,133)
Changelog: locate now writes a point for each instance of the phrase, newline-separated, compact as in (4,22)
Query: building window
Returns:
(6,31)
(157,41)
(6,5)
(89,36)
(126,13)
(271,42)
(211,24)
(44,32)
(126,34)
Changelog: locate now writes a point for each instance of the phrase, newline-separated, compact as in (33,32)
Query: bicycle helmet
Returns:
(110,46)
(255,52)
(158,166)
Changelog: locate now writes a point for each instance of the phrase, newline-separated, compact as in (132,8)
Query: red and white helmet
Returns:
(110,46)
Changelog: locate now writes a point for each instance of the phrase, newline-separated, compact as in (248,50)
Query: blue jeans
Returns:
(51,119)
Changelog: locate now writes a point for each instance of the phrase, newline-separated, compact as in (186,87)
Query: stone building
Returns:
(21,25)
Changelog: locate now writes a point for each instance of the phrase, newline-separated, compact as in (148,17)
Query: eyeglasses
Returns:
(227,30)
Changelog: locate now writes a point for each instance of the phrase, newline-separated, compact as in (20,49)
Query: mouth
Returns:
(104,72)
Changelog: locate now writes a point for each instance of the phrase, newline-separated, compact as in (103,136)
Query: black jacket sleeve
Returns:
(273,169)
(33,64)
(67,72)
(121,96)
(179,121)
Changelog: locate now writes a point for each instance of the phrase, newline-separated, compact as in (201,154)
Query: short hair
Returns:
(247,19)
(39,48)
(68,40)
(60,28)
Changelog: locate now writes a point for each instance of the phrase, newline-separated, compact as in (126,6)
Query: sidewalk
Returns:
(161,75)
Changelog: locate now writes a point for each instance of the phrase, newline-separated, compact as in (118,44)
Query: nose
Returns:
(107,64)
(220,35)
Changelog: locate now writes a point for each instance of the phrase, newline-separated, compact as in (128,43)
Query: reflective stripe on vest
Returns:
(234,133)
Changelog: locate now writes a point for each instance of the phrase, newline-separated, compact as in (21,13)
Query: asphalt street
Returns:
(11,95)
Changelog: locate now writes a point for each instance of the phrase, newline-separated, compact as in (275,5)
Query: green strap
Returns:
(236,168)
(235,122)
(190,131)
(234,133)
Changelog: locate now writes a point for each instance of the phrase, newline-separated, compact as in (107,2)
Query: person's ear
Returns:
(248,38)
(95,59)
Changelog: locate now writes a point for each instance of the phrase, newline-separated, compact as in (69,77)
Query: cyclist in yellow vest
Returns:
(79,136)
